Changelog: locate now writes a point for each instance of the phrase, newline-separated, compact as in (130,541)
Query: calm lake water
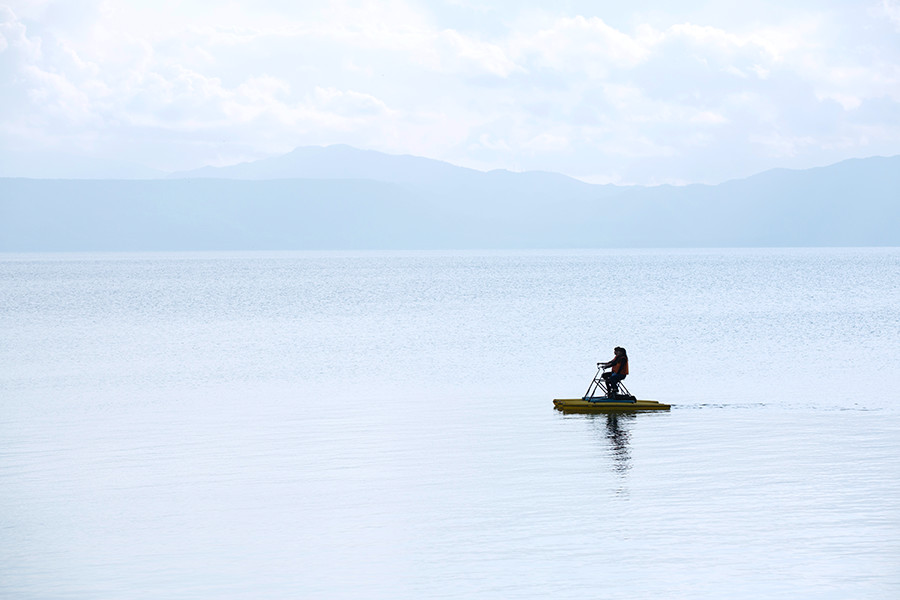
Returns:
(377,425)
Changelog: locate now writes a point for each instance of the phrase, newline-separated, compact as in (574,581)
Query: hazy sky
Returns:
(645,91)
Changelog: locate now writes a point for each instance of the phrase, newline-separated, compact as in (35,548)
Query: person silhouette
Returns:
(618,370)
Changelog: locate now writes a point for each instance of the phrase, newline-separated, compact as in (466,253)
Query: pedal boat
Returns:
(599,398)
(602,404)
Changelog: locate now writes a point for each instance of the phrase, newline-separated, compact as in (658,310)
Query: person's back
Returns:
(618,370)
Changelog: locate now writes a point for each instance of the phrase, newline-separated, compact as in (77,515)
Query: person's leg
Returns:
(614,379)
(607,378)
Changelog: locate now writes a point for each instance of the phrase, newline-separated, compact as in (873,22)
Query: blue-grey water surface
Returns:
(380,425)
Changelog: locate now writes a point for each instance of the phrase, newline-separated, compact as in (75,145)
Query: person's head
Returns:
(619,351)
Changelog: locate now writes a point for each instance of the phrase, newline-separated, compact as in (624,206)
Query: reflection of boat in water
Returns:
(617,433)
(601,399)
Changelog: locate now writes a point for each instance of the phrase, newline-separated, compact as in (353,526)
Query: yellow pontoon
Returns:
(599,405)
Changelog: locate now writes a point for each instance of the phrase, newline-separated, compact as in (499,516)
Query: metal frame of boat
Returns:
(598,399)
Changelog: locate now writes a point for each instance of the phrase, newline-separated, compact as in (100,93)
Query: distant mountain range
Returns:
(345,162)
(338,197)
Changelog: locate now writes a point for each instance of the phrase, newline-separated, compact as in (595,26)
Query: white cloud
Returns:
(170,82)
(782,145)
(708,118)
(584,45)
(15,39)
(349,103)
(891,9)
(476,55)
(549,142)
(761,71)
(489,143)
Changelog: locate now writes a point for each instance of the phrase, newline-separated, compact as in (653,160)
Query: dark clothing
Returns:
(612,383)
(613,377)
(618,371)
